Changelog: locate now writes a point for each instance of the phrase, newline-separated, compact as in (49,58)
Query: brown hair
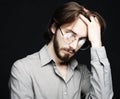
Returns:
(68,13)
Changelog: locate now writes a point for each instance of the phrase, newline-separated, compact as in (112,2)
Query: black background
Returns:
(23,22)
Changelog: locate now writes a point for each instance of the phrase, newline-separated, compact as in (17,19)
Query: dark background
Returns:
(23,22)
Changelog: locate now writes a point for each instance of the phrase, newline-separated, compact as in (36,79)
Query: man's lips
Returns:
(69,51)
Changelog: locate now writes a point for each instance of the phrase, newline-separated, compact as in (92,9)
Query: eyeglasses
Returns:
(70,37)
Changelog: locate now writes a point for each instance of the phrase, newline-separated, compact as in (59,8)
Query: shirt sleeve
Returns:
(101,79)
(20,82)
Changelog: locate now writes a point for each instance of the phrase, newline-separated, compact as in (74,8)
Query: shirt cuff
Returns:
(98,53)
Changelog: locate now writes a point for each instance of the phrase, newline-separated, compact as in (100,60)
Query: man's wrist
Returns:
(96,44)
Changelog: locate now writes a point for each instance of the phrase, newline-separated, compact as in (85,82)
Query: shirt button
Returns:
(65,93)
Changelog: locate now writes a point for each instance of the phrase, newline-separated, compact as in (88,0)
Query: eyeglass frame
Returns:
(85,46)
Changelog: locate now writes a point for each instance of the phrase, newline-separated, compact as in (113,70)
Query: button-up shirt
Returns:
(37,77)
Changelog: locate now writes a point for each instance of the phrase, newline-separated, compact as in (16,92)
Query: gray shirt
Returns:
(37,77)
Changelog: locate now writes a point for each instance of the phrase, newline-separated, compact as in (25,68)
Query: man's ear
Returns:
(53,28)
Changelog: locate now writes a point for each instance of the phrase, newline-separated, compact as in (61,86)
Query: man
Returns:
(53,73)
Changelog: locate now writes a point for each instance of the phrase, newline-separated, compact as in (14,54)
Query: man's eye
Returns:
(68,35)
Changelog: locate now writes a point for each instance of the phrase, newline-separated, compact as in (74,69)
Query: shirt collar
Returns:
(45,56)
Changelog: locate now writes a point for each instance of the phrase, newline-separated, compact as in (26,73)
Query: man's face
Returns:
(62,48)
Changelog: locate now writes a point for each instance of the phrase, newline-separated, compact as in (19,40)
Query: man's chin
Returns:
(65,58)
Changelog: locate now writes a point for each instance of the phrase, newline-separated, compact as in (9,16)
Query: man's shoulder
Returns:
(83,68)
(31,58)
(27,60)
(26,65)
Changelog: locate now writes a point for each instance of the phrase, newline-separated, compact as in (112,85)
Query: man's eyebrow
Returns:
(68,30)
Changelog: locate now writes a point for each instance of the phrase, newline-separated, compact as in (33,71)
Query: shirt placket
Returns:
(65,91)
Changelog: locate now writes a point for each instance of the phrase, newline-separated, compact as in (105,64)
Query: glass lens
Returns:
(69,37)
(81,42)
(86,45)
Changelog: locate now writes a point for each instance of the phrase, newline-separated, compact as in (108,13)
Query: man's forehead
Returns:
(78,25)
(77,22)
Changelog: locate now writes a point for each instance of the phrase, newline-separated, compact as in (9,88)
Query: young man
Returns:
(53,73)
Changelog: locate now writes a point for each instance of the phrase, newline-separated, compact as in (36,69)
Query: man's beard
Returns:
(57,49)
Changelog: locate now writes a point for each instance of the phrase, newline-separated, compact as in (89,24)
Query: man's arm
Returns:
(101,79)
(97,84)
(20,82)
(100,67)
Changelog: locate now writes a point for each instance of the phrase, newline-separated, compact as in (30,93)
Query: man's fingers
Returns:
(83,18)
(93,18)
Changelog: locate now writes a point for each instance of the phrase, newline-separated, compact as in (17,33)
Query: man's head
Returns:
(69,12)
(69,38)
(67,31)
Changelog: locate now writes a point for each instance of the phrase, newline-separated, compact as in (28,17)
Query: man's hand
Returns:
(94,30)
